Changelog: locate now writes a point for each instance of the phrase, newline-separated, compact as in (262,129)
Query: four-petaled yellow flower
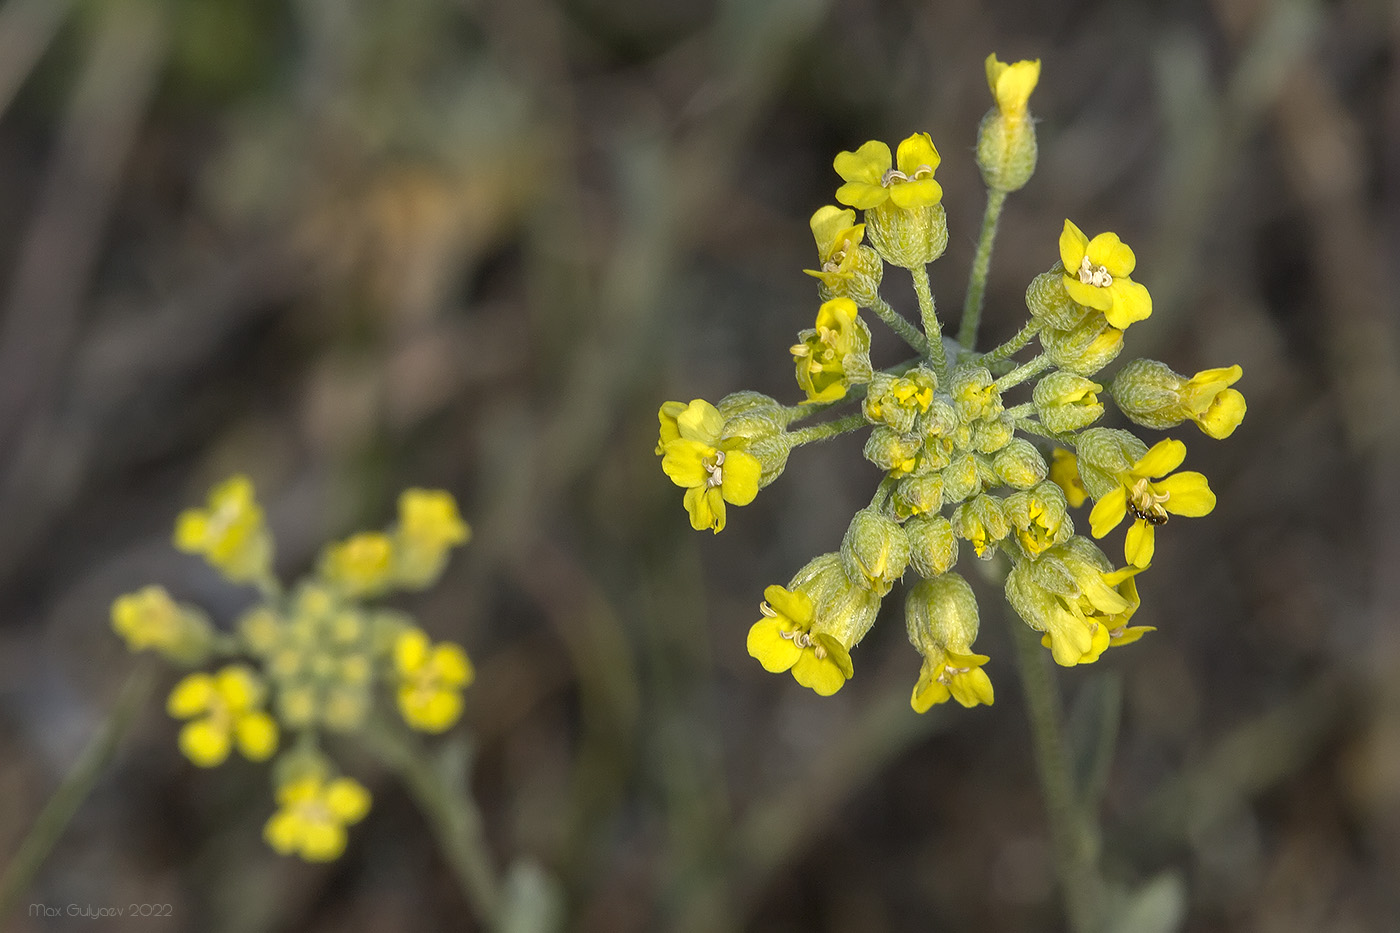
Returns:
(224,709)
(1115,623)
(1209,401)
(431,680)
(1012,84)
(1143,491)
(838,236)
(948,674)
(1064,472)
(229,532)
(822,355)
(783,640)
(313,815)
(1096,276)
(712,471)
(871,179)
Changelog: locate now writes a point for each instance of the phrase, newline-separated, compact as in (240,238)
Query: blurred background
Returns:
(350,246)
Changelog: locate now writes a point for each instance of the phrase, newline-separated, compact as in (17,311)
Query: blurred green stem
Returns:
(932,329)
(1072,838)
(76,786)
(451,812)
(900,325)
(828,429)
(981,262)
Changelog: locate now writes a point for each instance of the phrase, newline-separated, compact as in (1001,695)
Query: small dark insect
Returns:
(1155,515)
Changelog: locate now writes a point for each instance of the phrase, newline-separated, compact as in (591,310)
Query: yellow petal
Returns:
(928,692)
(971,688)
(1190,494)
(916,152)
(827,224)
(1131,634)
(191,696)
(794,606)
(347,800)
(836,653)
(773,651)
(670,431)
(1140,544)
(867,164)
(924,192)
(410,651)
(1108,512)
(239,687)
(1112,253)
(204,743)
(1070,639)
(283,832)
(1131,302)
(191,530)
(1013,86)
(701,422)
(684,461)
(322,842)
(862,195)
(1161,458)
(1223,416)
(1073,244)
(257,736)
(1090,296)
(741,473)
(823,676)
(451,665)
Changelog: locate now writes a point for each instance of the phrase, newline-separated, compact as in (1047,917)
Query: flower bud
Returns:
(1020,465)
(892,451)
(941,614)
(1006,146)
(932,546)
(848,270)
(874,551)
(1038,518)
(918,495)
(1049,302)
(974,393)
(1150,394)
(150,619)
(990,435)
(1067,402)
(907,237)
(772,456)
(1104,455)
(898,400)
(961,478)
(940,420)
(862,286)
(1085,348)
(981,522)
(835,354)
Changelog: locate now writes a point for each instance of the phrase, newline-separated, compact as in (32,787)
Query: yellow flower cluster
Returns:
(316,657)
(963,460)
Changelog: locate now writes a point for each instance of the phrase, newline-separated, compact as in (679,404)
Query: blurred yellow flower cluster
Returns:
(312,658)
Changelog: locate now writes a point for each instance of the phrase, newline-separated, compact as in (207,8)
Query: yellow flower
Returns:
(1064,472)
(429,527)
(1116,623)
(1011,85)
(1216,408)
(838,236)
(870,179)
(224,709)
(431,680)
(712,472)
(313,815)
(1143,491)
(229,532)
(1070,596)
(783,640)
(830,353)
(361,565)
(150,619)
(1096,276)
(948,674)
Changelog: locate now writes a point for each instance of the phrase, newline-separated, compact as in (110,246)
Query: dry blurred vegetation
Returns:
(348,246)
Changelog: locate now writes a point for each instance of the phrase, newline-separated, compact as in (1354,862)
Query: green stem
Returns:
(932,329)
(76,786)
(1024,410)
(1012,346)
(1023,372)
(1072,836)
(1040,430)
(828,429)
(900,325)
(981,262)
(451,812)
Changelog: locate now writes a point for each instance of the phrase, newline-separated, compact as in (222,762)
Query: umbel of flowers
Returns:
(978,452)
(318,658)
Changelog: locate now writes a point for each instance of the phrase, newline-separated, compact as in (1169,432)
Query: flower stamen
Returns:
(715,467)
(1096,276)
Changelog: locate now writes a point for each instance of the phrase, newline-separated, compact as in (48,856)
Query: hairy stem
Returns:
(981,262)
(828,429)
(1012,346)
(1073,838)
(76,786)
(451,812)
(1023,372)
(900,325)
(932,329)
